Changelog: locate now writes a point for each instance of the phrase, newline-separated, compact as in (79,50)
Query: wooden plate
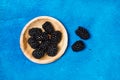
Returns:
(38,22)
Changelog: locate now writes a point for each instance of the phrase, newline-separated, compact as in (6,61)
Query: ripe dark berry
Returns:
(43,37)
(44,45)
(48,27)
(78,46)
(37,53)
(47,43)
(82,33)
(52,50)
(33,43)
(35,32)
(44,42)
(56,37)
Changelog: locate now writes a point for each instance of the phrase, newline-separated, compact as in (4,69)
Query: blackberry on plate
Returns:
(48,27)
(33,43)
(44,45)
(52,50)
(37,53)
(56,37)
(78,46)
(35,32)
(82,33)
(43,37)
(47,43)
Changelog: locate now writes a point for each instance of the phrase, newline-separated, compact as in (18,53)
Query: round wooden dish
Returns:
(38,22)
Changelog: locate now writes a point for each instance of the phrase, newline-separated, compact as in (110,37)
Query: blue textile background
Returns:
(99,61)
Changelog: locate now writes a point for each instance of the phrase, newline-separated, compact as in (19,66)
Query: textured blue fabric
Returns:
(99,61)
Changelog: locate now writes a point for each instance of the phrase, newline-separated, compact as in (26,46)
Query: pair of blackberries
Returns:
(44,42)
(83,34)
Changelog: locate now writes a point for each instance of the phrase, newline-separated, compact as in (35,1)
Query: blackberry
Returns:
(37,53)
(35,32)
(48,27)
(47,43)
(83,33)
(44,45)
(52,50)
(78,46)
(33,43)
(43,37)
(56,37)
